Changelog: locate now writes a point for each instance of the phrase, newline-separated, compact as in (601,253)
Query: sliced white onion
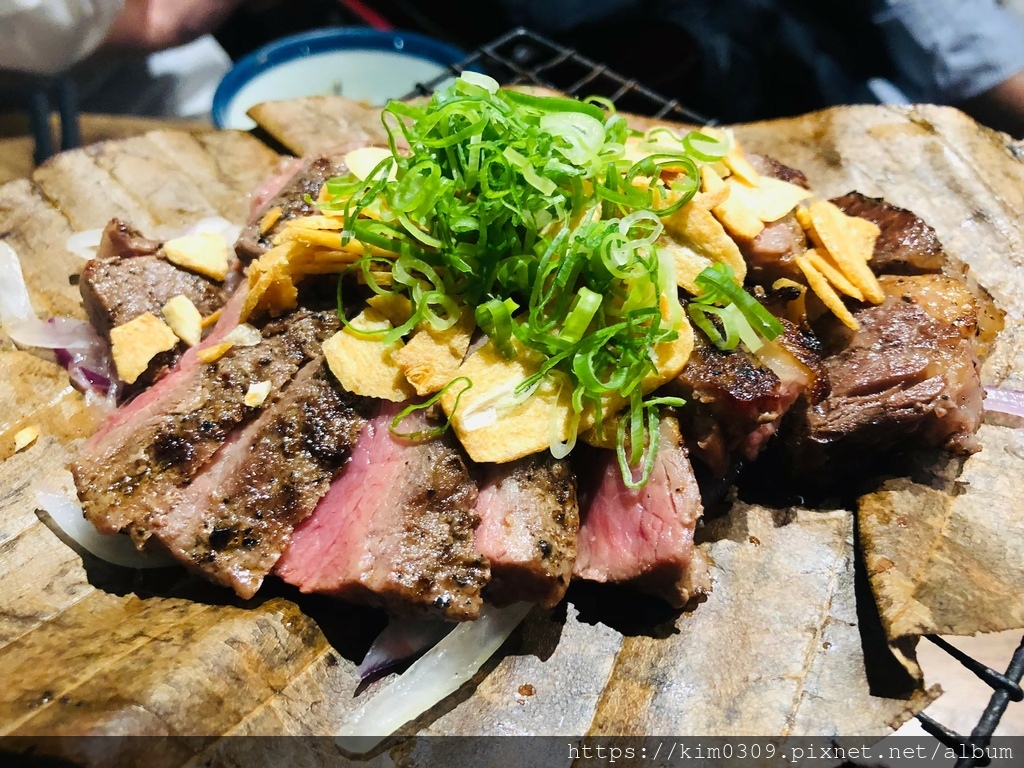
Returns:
(212,225)
(67,514)
(216,225)
(436,675)
(15,304)
(58,333)
(85,244)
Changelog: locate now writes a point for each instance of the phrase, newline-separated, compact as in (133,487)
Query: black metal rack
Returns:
(522,57)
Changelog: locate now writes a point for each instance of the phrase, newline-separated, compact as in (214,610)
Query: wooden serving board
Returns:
(781,646)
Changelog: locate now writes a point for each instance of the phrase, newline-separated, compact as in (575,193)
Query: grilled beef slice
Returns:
(907,378)
(735,400)
(291,199)
(772,254)
(235,519)
(136,465)
(644,537)
(130,277)
(395,529)
(529,522)
(906,246)
(766,165)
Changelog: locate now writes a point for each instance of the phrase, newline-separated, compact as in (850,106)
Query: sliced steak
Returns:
(236,518)
(906,245)
(907,378)
(735,399)
(644,537)
(772,254)
(137,465)
(529,520)
(291,199)
(766,165)
(395,530)
(130,277)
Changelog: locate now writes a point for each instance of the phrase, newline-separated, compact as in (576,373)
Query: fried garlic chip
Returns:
(206,254)
(736,161)
(491,423)
(736,216)
(695,226)
(25,437)
(826,293)
(394,306)
(134,344)
(363,363)
(271,287)
(849,240)
(184,319)
(770,200)
(831,273)
(432,357)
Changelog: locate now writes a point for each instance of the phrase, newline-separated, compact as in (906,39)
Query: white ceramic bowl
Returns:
(356,62)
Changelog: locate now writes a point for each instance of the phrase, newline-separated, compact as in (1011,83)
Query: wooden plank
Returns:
(242,161)
(782,615)
(193,159)
(319,123)
(173,196)
(38,233)
(87,194)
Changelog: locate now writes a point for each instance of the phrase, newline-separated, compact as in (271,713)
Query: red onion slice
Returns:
(1006,401)
(401,640)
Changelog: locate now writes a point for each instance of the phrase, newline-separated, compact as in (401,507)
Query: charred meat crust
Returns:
(529,524)
(124,480)
(734,402)
(238,519)
(307,182)
(130,277)
(904,379)
(395,530)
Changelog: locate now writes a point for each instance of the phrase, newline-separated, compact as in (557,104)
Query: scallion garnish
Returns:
(427,434)
(742,316)
(525,210)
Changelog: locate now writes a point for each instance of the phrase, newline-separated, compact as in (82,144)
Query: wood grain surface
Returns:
(787,643)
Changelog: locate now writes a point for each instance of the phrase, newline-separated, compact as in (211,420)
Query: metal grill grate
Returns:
(522,57)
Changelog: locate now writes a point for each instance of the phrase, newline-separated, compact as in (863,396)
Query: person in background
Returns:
(143,57)
(756,59)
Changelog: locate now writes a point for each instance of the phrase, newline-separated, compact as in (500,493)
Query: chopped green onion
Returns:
(495,319)
(430,434)
(506,203)
(584,308)
(704,147)
(743,316)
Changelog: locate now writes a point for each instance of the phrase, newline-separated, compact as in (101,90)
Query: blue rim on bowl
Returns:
(324,41)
